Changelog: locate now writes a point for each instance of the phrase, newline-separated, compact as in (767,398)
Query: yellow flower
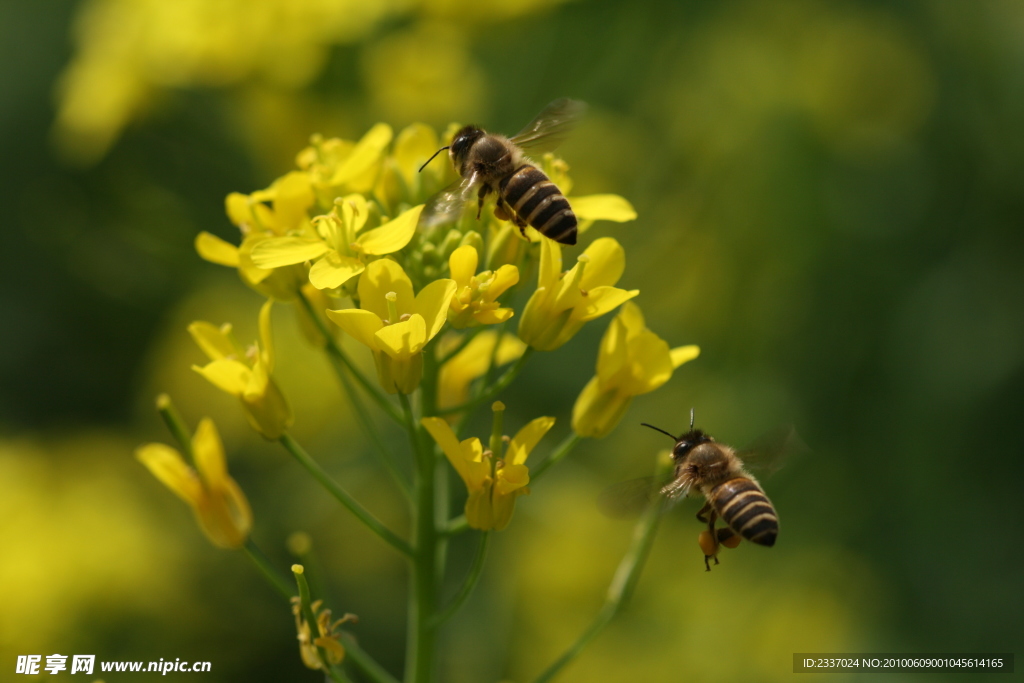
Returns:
(263,215)
(493,483)
(471,363)
(394,324)
(220,506)
(328,638)
(632,360)
(475,301)
(337,246)
(245,374)
(564,301)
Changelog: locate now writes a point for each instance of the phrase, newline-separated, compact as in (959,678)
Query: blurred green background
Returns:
(830,198)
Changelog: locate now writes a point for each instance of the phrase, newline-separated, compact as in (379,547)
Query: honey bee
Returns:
(493,163)
(730,492)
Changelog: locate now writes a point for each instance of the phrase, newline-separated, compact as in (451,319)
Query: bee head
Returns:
(462,142)
(687,442)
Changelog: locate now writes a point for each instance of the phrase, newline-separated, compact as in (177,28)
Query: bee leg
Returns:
(708,539)
(481,195)
(501,210)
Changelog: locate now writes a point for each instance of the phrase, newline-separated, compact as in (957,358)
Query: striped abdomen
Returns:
(743,506)
(537,201)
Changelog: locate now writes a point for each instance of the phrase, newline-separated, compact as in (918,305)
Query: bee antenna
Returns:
(432,158)
(658,429)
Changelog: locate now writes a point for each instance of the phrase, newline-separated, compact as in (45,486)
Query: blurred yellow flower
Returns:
(471,363)
(249,380)
(475,301)
(564,301)
(632,360)
(493,483)
(129,51)
(394,323)
(220,506)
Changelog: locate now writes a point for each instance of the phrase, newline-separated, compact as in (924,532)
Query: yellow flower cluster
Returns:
(342,237)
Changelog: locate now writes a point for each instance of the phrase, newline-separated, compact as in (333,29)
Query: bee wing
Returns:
(551,126)
(631,497)
(446,205)
(769,452)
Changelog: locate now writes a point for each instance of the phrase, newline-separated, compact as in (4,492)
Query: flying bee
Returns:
(490,163)
(730,492)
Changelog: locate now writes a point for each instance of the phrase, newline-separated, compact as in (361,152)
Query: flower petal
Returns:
(608,207)
(650,364)
(413,146)
(505,277)
(403,339)
(276,252)
(293,195)
(550,264)
(601,300)
(167,465)
(358,170)
(214,341)
(230,376)
(215,250)
(391,236)
(432,303)
(596,412)
(462,264)
(683,354)
(526,438)
(511,478)
(334,270)
(361,325)
(607,261)
(379,278)
(208,453)
(460,455)
(266,337)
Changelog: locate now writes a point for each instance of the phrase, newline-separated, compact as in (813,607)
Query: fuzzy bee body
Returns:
(742,505)
(496,164)
(536,201)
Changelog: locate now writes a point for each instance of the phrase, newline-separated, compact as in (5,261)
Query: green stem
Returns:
(343,496)
(366,421)
(364,662)
(273,577)
(422,635)
(179,430)
(306,606)
(468,584)
(568,443)
(493,390)
(621,589)
(456,526)
(338,355)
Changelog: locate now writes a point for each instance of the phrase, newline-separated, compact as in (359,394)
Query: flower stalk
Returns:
(343,496)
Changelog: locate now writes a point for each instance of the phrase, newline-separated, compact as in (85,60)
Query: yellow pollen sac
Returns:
(707,544)
(729,538)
